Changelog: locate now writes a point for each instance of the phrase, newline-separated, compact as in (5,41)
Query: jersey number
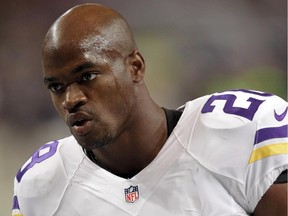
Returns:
(229,107)
(49,148)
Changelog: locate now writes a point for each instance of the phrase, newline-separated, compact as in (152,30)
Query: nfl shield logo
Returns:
(131,194)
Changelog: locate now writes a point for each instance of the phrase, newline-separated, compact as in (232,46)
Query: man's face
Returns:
(92,90)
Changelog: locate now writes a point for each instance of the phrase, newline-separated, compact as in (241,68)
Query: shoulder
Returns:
(240,136)
(236,108)
(234,132)
(47,167)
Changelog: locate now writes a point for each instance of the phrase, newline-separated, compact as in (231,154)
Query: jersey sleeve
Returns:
(41,183)
(36,180)
(268,158)
(240,136)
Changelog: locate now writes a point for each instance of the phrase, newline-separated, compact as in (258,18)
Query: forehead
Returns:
(68,43)
(101,46)
(108,40)
(95,49)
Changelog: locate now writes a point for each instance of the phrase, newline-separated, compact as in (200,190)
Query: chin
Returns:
(90,143)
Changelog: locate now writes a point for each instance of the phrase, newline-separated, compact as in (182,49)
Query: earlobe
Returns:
(138,66)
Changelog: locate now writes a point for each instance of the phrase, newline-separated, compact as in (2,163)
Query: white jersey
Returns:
(225,152)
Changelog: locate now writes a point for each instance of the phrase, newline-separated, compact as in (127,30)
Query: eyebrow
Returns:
(82,67)
(48,79)
(78,69)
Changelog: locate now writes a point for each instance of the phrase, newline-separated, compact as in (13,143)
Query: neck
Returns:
(137,146)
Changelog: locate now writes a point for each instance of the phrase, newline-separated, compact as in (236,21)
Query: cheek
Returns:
(112,97)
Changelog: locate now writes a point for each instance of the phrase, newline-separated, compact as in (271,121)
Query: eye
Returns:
(88,76)
(55,87)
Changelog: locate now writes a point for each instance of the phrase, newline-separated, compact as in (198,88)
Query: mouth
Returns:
(80,123)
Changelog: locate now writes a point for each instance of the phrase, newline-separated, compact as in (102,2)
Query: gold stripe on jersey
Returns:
(16,212)
(268,150)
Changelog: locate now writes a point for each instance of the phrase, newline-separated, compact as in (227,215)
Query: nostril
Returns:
(72,107)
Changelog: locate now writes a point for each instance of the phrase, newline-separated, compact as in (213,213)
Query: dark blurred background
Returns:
(191,48)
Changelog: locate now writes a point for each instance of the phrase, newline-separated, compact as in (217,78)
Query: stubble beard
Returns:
(93,140)
(94,143)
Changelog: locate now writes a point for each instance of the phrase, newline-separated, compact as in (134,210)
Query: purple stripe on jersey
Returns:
(15,203)
(38,158)
(270,133)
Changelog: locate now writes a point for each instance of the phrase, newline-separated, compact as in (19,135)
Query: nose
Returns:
(74,97)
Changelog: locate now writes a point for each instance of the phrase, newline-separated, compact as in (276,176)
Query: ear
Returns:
(137,64)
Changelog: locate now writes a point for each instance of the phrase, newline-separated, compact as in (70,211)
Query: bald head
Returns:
(95,76)
(90,27)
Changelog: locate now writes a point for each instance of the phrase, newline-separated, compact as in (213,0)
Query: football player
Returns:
(220,154)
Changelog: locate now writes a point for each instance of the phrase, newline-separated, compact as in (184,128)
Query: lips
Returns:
(80,123)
